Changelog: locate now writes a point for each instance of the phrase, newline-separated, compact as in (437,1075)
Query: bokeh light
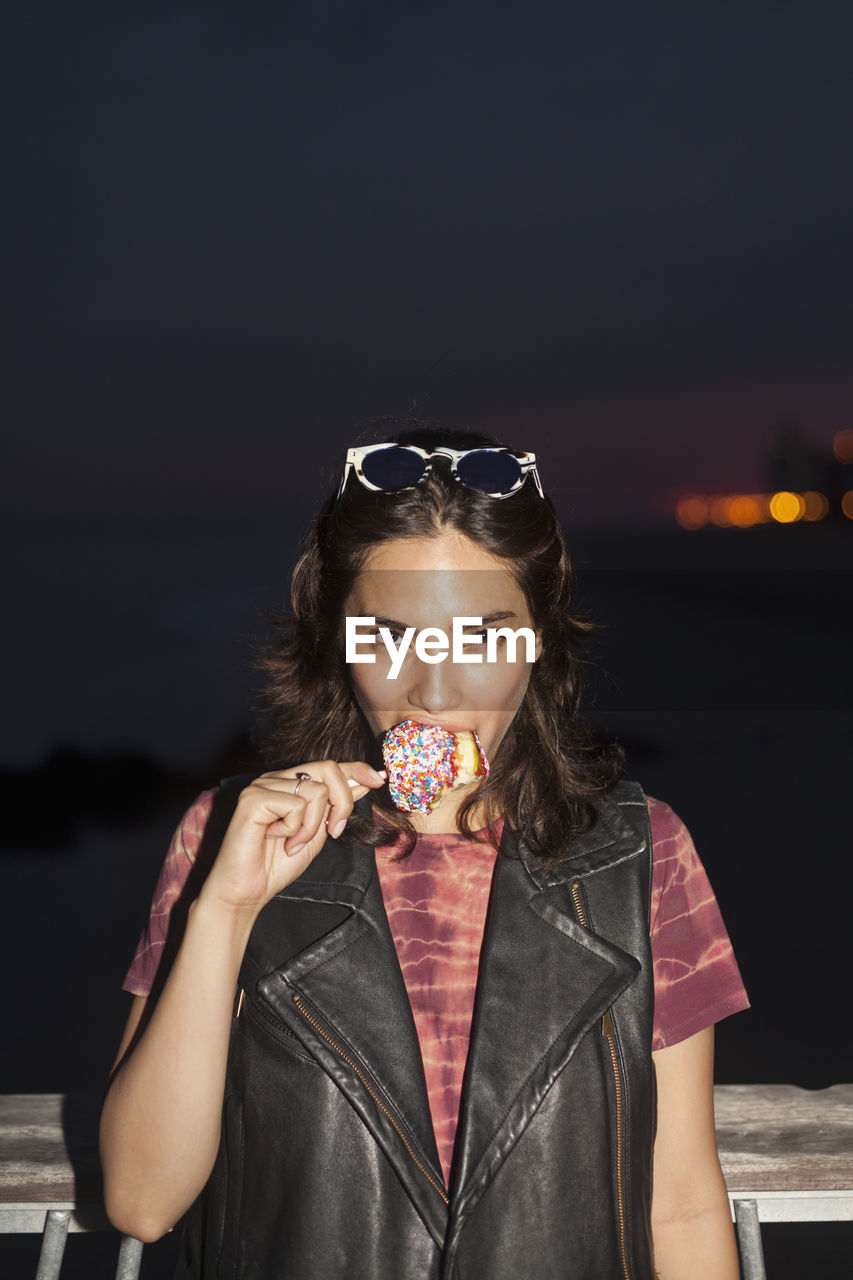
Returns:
(817,505)
(691,511)
(842,445)
(718,511)
(786,507)
(745,509)
(847,504)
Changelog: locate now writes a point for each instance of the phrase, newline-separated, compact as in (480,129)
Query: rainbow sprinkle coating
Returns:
(420,763)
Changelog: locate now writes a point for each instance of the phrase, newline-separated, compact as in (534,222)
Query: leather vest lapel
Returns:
(544,982)
(344,997)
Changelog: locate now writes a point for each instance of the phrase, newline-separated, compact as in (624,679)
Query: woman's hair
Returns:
(548,768)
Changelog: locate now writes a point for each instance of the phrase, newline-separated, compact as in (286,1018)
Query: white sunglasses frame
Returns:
(356,455)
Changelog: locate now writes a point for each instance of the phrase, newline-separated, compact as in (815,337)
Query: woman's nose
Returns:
(434,686)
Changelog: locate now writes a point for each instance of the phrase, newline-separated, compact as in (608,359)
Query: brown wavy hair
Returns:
(548,768)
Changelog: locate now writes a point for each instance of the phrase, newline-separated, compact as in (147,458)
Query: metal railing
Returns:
(787,1155)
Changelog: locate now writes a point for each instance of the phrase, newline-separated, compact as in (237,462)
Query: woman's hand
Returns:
(279,825)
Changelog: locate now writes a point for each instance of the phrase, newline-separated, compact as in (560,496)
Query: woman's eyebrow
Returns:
(499,615)
(393,624)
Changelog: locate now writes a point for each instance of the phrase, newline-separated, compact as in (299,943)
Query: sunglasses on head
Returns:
(492,469)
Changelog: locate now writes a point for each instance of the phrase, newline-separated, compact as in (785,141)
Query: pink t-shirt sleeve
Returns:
(180,858)
(697,980)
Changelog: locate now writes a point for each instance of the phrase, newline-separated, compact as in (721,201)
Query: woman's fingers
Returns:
(362,778)
(347,783)
(280,823)
(329,794)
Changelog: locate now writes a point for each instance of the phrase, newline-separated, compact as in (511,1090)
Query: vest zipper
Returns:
(608,1030)
(297,1000)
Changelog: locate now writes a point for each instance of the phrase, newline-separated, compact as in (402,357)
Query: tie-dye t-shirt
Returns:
(436,903)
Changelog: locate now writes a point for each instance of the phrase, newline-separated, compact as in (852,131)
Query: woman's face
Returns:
(428,582)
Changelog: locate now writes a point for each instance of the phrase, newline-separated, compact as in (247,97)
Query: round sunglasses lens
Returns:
(490,472)
(394,468)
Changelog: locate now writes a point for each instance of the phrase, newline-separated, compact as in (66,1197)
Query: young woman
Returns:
(471,1042)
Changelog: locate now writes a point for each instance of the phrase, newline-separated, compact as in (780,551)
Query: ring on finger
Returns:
(300,778)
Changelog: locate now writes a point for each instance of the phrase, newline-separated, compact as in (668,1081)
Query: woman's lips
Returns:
(449,726)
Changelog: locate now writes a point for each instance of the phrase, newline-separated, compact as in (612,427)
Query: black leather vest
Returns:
(328,1165)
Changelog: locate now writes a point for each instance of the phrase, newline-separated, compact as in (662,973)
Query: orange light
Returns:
(842,445)
(786,507)
(744,510)
(847,504)
(816,505)
(691,511)
(718,511)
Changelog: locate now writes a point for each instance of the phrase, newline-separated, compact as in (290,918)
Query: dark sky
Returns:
(619,235)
